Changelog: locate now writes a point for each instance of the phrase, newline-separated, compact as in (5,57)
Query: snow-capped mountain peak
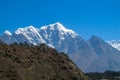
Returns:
(59,28)
(29,34)
(54,26)
(115,44)
(7,33)
(26,29)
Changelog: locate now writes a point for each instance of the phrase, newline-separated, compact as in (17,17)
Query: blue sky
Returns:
(86,17)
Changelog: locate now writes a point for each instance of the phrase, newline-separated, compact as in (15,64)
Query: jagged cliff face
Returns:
(22,62)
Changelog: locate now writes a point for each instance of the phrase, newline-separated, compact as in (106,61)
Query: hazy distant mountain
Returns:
(107,57)
(92,55)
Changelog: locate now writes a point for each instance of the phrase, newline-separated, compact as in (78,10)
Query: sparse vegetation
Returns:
(108,75)
(24,62)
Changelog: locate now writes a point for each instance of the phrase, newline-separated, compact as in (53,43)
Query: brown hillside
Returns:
(21,62)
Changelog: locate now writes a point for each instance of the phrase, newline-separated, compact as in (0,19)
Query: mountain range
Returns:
(93,55)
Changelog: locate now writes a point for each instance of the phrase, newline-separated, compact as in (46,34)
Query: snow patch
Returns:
(8,33)
(114,44)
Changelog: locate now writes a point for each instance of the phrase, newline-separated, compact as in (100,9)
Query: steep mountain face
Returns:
(65,40)
(91,56)
(107,57)
(115,44)
(61,38)
(22,62)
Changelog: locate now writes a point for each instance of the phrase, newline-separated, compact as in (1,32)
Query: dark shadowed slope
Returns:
(22,62)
